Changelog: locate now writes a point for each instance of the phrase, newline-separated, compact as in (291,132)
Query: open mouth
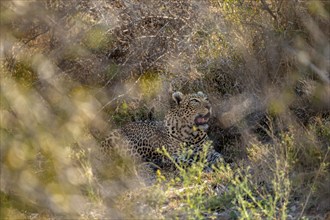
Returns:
(202,119)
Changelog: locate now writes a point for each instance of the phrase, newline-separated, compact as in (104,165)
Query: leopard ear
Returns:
(177,97)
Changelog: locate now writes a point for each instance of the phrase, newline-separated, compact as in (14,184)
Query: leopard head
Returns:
(188,120)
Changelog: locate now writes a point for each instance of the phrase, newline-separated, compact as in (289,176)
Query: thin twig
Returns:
(266,7)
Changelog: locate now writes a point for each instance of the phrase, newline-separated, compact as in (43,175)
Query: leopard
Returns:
(184,126)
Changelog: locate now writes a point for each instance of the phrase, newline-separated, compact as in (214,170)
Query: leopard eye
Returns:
(194,101)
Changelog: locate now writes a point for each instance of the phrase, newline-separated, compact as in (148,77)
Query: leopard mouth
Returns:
(202,119)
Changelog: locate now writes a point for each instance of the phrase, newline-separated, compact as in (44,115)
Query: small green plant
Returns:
(264,191)
(258,202)
(192,188)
